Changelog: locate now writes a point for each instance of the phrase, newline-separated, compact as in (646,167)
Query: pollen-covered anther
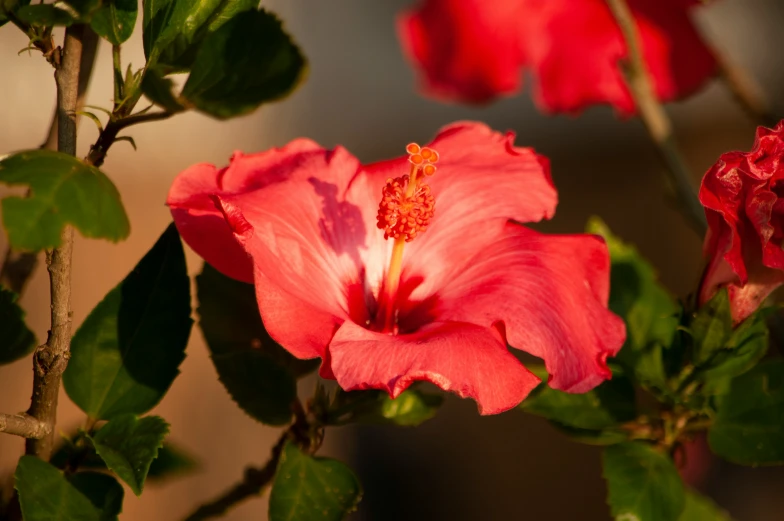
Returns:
(401,216)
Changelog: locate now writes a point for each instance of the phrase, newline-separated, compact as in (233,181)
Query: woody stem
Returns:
(655,118)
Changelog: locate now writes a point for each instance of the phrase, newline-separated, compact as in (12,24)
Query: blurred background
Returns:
(361,93)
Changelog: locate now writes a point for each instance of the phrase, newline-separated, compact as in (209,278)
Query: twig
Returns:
(51,359)
(18,266)
(253,483)
(44,43)
(655,119)
(23,425)
(107,137)
(745,91)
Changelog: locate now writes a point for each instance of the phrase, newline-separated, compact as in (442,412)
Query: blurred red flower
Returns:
(475,50)
(301,223)
(743,195)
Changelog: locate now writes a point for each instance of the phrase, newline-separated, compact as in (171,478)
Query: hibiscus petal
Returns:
(574,49)
(202,225)
(743,208)
(473,50)
(303,235)
(482,181)
(284,214)
(466,49)
(466,359)
(301,328)
(551,293)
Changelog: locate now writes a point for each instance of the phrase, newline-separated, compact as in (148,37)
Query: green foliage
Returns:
(749,424)
(115,20)
(410,409)
(45,493)
(700,508)
(159,90)
(45,15)
(9,6)
(233,73)
(16,340)
(719,350)
(711,327)
(258,374)
(189,24)
(64,191)
(84,7)
(103,491)
(129,445)
(643,484)
(127,352)
(171,460)
(238,57)
(650,313)
(605,406)
(308,488)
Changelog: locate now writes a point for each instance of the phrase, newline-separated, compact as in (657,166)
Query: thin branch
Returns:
(655,118)
(51,359)
(746,92)
(23,425)
(18,266)
(108,136)
(253,483)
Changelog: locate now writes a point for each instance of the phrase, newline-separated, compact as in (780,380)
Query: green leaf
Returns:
(258,373)
(9,6)
(745,346)
(650,313)
(45,494)
(248,61)
(16,340)
(749,424)
(607,436)
(308,488)
(45,15)
(127,352)
(411,408)
(129,445)
(84,7)
(156,15)
(158,89)
(171,460)
(711,327)
(607,405)
(64,191)
(643,484)
(103,491)
(115,20)
(191,21)
(700,508)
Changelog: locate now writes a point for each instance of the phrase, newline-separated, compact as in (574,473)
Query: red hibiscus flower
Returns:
(743,196)
(475,50)
(437,292)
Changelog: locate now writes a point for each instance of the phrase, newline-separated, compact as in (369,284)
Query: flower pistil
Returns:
(406,209)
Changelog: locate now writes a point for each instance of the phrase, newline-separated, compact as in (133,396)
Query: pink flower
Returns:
(475,50)
(743,196)
(302,223)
